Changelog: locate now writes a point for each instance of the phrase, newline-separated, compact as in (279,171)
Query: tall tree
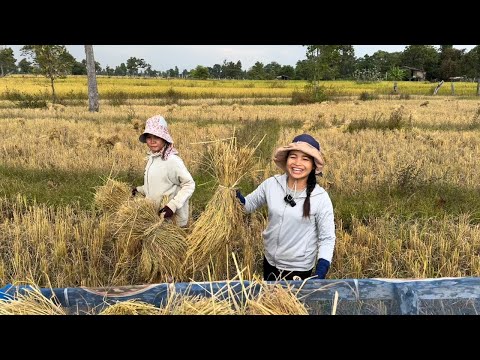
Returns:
(450,62)
(53,61)
(25,66)
(424,57)
(7,62)
(93,105)
(346,66)
(133,64)
(326,61)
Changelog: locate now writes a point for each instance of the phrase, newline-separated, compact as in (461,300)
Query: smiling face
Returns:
(154,143)
(299,165)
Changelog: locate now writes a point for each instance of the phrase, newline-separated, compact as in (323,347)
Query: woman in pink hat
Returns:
(165,172)
(300,235)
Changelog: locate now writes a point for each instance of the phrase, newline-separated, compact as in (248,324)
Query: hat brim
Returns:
(143,138)
(280,155)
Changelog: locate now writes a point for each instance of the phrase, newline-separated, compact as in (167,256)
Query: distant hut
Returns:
(283,77)
(415,74)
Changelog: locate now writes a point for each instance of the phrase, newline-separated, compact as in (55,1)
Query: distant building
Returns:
(415,74)
(283,77)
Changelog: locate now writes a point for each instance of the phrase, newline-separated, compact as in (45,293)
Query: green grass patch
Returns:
(428,201)
(55,187)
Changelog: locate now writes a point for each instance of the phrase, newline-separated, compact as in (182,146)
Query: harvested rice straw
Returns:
(133,221)
(197,305)
(130,307)
(30,302)
(163,253)
(220,229)
(110,196)
(275,299)
(150,249)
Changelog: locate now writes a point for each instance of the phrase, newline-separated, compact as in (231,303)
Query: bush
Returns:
(24,100)
(311,94)
(365,95)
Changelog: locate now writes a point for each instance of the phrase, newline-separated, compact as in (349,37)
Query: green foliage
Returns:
(7,62)
(24,100)
(53,61)
(200,72)
(311,94)
(395,73)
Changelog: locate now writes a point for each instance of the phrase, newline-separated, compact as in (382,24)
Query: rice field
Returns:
(402,175)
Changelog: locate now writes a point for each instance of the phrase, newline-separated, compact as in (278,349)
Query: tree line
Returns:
(322,62)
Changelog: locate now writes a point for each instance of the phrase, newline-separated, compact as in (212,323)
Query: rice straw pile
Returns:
(30,302)
(130,307)
(180,304)
(147,244)
(220,229)
(275,299)
(110,196)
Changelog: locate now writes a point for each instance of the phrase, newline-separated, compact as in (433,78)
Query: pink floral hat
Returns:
(156,125)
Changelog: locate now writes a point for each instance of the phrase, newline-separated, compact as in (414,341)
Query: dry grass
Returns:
(197,305)
(130,307)
(276,299)
(30,301)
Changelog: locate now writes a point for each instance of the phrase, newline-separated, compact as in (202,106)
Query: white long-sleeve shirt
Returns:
(168,178)
(292,242)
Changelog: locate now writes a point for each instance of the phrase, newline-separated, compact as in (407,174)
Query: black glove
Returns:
(134,191)
(168,212)
(322,268)
(240,197)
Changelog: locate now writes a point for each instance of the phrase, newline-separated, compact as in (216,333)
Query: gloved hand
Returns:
(240,197)
(322,268)
(168,212)
(134,191)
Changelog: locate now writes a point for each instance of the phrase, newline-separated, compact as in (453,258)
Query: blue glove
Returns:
(322,268)
(240,197)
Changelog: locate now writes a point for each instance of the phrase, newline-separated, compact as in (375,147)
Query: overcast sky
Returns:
(164,57)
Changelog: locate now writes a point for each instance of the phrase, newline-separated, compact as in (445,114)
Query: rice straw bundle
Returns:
(30,302)
(133,221)
(110,196)
(147,244)
(130,307)
(274,299)
(220,229)
(163,253)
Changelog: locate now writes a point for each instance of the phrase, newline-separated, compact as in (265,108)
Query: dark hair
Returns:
(165,148)
(311,182)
